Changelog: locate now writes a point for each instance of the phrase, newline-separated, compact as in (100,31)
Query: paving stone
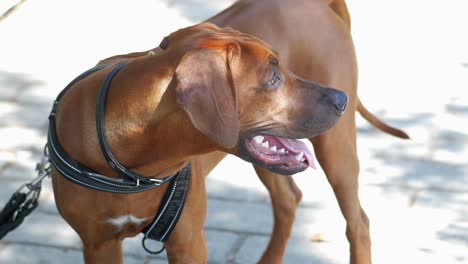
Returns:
(389,221)
(219,245)
(156,261)
(220,190)
(451,146)
(42,96)
(13,84)
(45,229)
(133,260)
(394,166)
(383,205)
(7,189)
(409,248)
(21,137)
(258,219)
(7,108)
(422,231)
(21,115)
(239,217)
(26,254)
(449,214)
(298,251)
(19,172)
(231,173)
(23,167)
(448,123)
(458,106)
(6,157)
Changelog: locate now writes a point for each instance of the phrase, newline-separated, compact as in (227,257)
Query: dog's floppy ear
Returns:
(206,92)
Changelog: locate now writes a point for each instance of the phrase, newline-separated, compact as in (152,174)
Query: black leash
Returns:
(22,204)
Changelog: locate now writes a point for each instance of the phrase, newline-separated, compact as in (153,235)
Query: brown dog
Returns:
(210,89)
(215,89)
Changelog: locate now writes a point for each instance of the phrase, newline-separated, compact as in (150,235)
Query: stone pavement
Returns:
(413,72)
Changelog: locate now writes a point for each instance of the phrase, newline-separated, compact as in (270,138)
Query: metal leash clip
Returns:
(22,203)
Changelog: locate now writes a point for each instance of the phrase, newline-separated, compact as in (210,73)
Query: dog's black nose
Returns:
(340,100)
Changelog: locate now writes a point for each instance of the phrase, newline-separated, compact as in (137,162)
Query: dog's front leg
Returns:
(336,153)
(109,251)
(285,198)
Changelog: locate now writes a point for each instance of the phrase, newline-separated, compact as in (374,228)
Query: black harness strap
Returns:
(175,196)
(113,163)
(169,212)
(80,174)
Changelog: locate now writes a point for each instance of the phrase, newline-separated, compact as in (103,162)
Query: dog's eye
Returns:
(275,80)
(274,61)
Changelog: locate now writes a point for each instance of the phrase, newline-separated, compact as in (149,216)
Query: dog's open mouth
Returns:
(282,155)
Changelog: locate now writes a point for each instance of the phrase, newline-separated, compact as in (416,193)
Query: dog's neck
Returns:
(146,129)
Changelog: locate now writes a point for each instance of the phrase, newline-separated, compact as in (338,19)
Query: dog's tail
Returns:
(378,123)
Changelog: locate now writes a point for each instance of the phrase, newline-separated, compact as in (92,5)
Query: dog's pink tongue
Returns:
(297,146)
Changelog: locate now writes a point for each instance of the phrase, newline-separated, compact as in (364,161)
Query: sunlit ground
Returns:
(413,60)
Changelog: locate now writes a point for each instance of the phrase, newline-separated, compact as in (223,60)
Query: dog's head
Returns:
(236,91)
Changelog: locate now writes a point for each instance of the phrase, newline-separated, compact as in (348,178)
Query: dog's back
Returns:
(309,39)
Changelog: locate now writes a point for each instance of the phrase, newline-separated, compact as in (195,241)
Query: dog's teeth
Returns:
(258,139)
(273,148)
(282,151)
(265,144)
(303,159)
(299,156)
